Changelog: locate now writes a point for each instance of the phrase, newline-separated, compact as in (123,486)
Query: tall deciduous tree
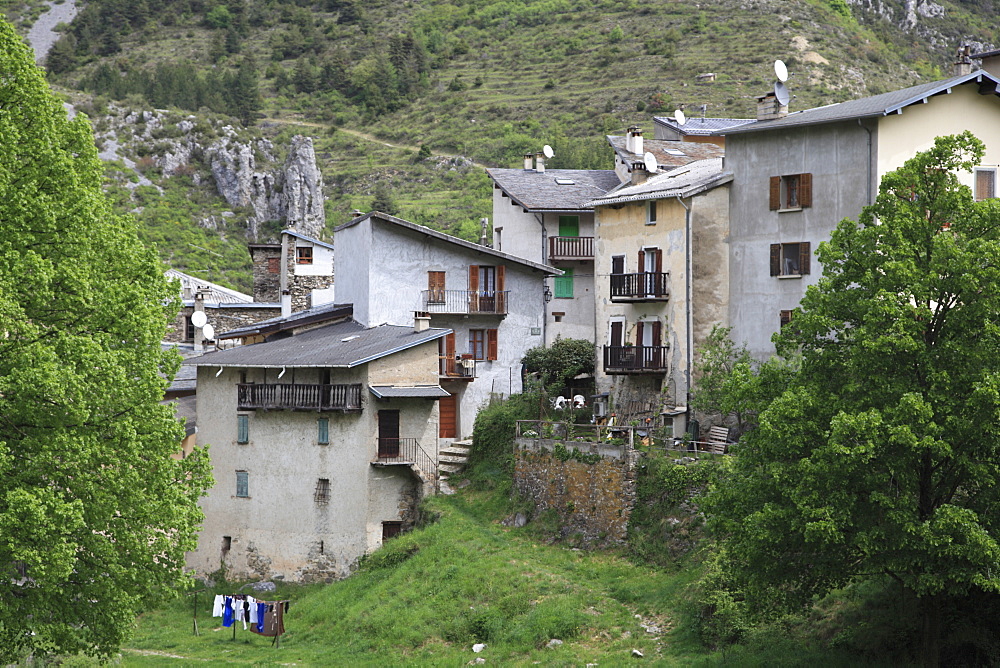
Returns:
(881,455)
(95,516)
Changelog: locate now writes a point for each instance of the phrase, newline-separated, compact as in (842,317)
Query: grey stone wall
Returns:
(266,284)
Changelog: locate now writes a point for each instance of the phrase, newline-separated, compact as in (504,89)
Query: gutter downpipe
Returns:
(689,318)
(545,306)
(860,124)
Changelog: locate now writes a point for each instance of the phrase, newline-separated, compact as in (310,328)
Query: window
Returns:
(558,315)
(651,212)
(618,264)
(322,494)
(391,530)
(274,265)
(483,344)
(304,255)
(188,329)
(791,192)
(986,181)
(435,287)
(242,428)
(790,259)
(786,317)
(227,544)
(564,284)
(569,226)
(242,484)
(323,431)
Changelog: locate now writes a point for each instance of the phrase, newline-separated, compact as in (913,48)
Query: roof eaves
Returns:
(298,235)
(690,191)
(371,358)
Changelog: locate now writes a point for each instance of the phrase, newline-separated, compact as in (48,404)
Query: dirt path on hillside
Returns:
(368,137)
(42,35)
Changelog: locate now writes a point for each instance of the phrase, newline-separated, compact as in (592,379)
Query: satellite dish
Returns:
(198,319)
(780,71)
(679,115)
(208,332)
(650,161)
(547,150)
(781,92)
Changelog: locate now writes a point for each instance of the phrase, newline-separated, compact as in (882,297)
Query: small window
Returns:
(558,315)
(227,544)
(786,317)
(564,284)
(391,530)
(651,212)
(790,259)
(791,192)
(323,431)
(304,255)
(477,344)
(322,494)
(188,329)
(618,264)
(986,184)
(274,265)
(242,484)
(242,428)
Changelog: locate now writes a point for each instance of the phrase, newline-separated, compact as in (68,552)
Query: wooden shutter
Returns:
(491,344)
(659,260)
(435,287)
(638,333)
(642,262)
(616,333)
(447,417)
(805,191)
(776,259)
(242,429)
(775,194)
(242,483)
(473,277)
(804,257)
(449,345)
(657,334)
(501,278)
(323,429)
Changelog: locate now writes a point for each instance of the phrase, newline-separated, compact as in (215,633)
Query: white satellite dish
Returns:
(780,71)
(679,115)
(781,92)
(198,319)
(650,161)
(208,332)
(547,151)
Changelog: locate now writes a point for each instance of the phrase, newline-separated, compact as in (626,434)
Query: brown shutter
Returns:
(775,194)
(776,259)
(491,344)
(473,277)
(616,333)
(804,257)
(805,191)
(659,261)
(657,334)
(449,346)
(638,333)
(501,278)
(642,263)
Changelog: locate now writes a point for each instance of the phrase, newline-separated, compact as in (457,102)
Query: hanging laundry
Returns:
(228,612)
(217,605)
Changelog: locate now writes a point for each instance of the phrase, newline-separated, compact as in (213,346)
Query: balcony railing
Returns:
(645,287)
(299,397)
(465,302)
(406,452)
(635,359)
(571,248)
(456,368)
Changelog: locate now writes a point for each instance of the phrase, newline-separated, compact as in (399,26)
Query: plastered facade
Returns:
(281,529)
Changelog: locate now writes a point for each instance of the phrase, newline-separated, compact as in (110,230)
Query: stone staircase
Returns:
(452,459)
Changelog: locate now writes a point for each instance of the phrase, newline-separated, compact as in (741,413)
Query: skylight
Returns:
(566,182)
(674,151)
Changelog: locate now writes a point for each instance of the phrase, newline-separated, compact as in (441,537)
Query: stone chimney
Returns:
(963,63)
(286,303)
(639,173)
(769,109)
(528,158)
(421,322)
(540,163)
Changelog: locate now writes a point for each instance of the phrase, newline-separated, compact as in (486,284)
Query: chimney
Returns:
(528,157)
(421,322)
(286,303)
(357,213)
(199,305)
(637,141)
(540,163)
(963,63)
(639,173)
(628,138)
(769,109)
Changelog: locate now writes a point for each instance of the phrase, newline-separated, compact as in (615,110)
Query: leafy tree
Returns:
(95,515)
(726,380)
(561,362)
(881,454)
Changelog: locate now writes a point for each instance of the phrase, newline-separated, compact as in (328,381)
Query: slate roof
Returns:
(541,192)
(340,345)
(217,294)
(661,150)
(685,181)
(874,106)
(428,232)
(418,392)
(308,316)
(309,239)
(185,409)
(702,127)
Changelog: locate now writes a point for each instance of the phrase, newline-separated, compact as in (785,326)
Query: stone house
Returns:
(300,267)
(630,151)
(797,175)
(540,215)
(663,282)
(492,302)
(323,437)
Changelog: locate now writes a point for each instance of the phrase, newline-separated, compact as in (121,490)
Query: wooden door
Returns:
(388,434)
(448,417)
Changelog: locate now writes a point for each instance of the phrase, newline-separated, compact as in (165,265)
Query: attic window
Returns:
(566,182)
(674,151)
(304,255)
(350,338)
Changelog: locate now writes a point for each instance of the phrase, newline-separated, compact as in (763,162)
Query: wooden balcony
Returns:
(571,248)
(464,302)
(299,397)
(635,359)
(649,286)
(456,368)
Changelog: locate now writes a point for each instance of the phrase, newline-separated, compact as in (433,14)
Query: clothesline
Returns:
(265,618)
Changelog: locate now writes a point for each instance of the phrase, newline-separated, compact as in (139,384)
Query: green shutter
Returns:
(569,226)
(564,284)
(324,431)
(242,428)
(242,483)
